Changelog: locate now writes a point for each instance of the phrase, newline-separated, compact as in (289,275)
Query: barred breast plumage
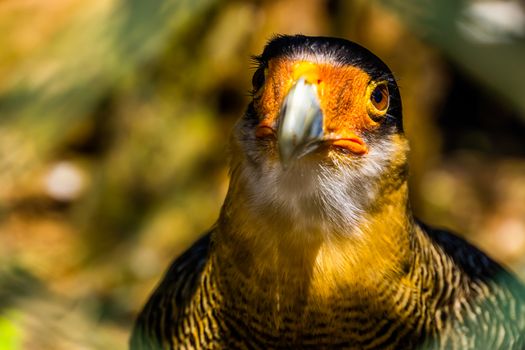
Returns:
(316,246)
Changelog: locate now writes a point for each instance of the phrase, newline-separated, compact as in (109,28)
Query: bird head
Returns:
(322,137)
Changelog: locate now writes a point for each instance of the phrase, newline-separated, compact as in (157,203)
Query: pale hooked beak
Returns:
(300,128)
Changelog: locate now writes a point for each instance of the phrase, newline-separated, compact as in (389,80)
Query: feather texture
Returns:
(325,253)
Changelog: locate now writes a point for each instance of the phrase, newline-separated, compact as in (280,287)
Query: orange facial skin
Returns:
(343,95)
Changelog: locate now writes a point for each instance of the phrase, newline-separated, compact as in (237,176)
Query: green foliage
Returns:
(10,333)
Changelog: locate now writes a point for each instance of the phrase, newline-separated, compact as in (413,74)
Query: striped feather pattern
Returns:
(325,254)
(462,300)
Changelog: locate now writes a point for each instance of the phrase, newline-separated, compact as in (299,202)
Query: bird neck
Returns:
(273,256)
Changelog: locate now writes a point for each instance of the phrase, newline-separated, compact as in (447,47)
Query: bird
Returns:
(316,245)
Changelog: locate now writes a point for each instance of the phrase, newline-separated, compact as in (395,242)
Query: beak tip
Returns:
(286,150)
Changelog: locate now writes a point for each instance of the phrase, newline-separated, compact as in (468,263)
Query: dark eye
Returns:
(379,97)
(258,78)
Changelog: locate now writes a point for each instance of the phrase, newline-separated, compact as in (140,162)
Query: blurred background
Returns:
(114,123)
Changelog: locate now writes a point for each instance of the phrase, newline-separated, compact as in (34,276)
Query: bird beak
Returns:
(300,129)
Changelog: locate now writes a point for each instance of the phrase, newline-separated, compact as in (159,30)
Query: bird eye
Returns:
(258,78)
(378,99)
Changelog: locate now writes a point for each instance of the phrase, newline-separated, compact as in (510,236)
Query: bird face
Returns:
(306,105)
(323,129)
